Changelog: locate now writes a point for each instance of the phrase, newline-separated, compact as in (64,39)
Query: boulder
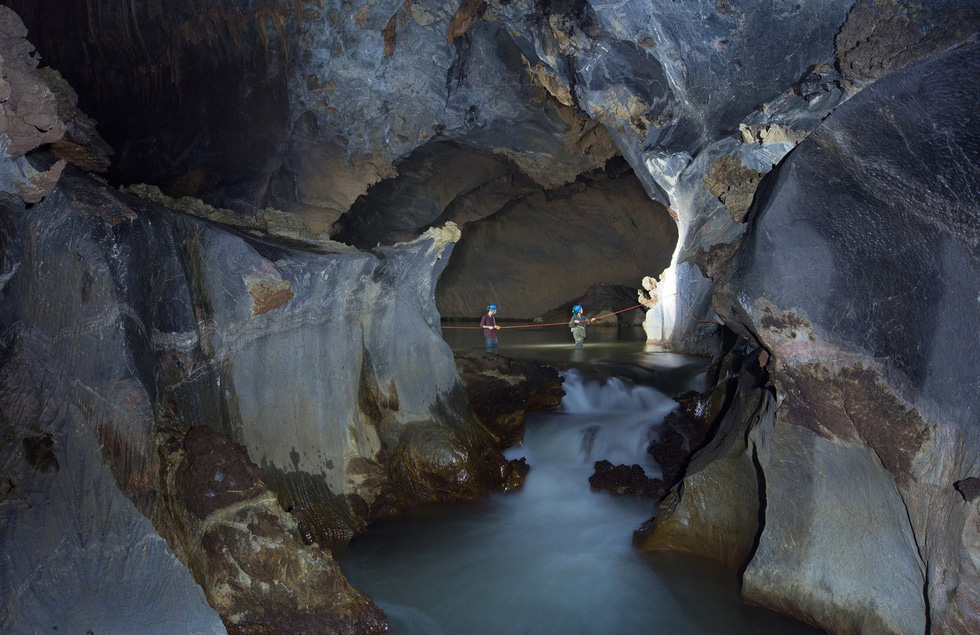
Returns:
(625,480)
(246,551)
(714,511)
(859,277)
(501,391)
(670,451)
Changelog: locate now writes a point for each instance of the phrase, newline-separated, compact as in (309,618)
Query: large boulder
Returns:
(501,391)
(715,512)
(246,551)
(859,277)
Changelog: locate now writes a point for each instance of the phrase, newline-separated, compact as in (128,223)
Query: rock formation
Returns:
(123,320)
(245,550)
(501,391)
(853,448)
(625,480)
(842,471)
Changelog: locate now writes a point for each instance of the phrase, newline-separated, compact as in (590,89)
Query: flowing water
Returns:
(556,557)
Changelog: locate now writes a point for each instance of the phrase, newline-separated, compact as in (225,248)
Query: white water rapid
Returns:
(553,557)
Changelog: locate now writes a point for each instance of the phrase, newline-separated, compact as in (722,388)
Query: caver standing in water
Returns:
(577,324)
(490,328)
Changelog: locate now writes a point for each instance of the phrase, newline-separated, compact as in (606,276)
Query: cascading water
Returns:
(554,557)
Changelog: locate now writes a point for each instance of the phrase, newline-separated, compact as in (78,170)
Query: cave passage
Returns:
(555,556)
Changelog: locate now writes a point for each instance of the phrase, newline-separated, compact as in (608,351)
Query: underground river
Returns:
(556,557)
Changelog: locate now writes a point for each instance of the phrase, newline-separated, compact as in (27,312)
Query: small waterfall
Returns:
(554,557)
(630,416)
(612,395)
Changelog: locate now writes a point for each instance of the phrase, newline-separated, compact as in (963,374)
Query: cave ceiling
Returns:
(371,120)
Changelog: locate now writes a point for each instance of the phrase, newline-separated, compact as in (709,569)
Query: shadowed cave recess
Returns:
(233,231)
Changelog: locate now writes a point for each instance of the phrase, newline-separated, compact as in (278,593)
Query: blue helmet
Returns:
(492,307)
(577,308)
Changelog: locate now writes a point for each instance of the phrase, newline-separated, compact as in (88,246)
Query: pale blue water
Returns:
(556,557)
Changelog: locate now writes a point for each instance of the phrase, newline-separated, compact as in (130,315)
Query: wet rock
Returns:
(501,390)
(245,550)
(512,474)
(698,414)
(670,452)
(431,464)
(625,480)
(714,512)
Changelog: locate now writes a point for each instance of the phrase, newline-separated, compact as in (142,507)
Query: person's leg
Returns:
(579,335)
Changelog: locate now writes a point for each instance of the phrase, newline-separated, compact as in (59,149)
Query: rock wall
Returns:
(598,230)
(28,114)
(78,553)
(858,276)
(700,98)
(124,323)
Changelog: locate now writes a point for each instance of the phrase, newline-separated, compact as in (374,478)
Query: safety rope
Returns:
(600,317)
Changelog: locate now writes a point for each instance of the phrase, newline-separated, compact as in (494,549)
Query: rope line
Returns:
(600,317)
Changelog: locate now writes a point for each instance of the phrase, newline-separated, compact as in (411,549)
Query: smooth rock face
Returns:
(505,259)
(836,548)
(860,276)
